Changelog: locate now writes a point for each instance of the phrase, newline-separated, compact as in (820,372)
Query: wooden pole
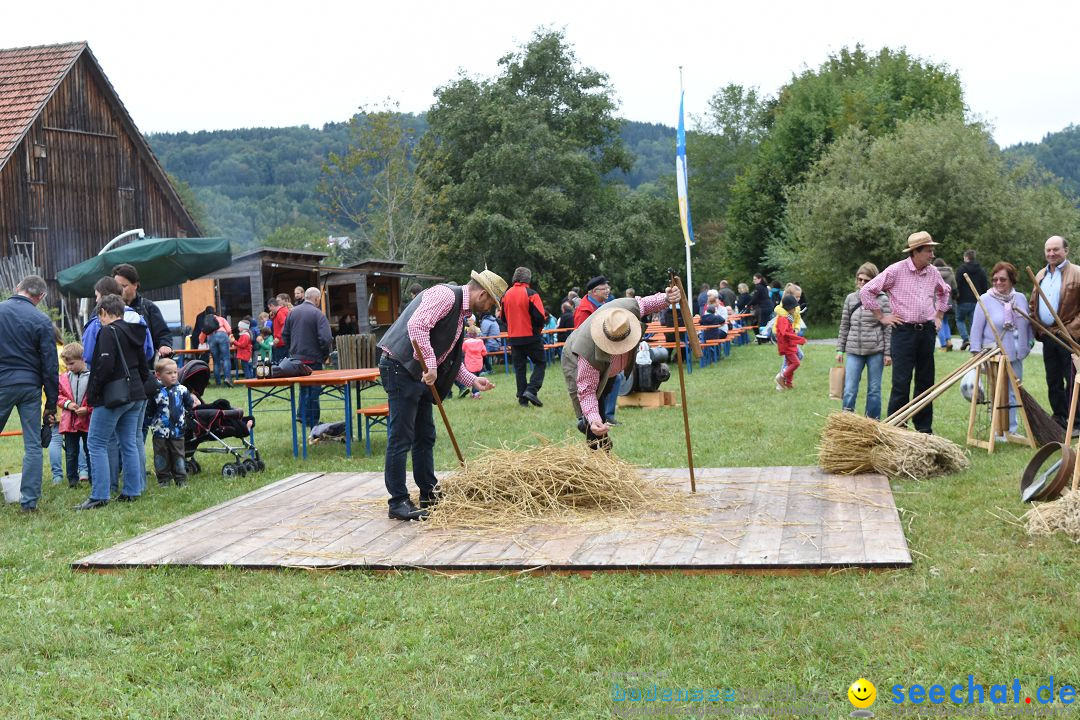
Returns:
(682,380)
(438,401)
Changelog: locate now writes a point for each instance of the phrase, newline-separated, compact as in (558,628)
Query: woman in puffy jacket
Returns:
(866,343)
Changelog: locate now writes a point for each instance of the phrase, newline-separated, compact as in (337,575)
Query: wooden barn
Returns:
(74,170)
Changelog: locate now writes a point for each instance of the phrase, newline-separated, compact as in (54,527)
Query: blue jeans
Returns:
(945,333)
(27,399)
(853,367)
(612,400)
(412,428)
(964,313)
(309,400)
(249,372)
(56,455)
(121,423)
(219,350)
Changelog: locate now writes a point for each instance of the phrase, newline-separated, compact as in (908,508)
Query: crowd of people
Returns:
(93,403)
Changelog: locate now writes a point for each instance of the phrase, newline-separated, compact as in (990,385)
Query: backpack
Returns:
(209,324)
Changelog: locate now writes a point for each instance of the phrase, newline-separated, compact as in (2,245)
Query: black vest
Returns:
(444,335)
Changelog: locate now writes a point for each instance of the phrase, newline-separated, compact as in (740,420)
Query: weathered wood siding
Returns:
(81,176)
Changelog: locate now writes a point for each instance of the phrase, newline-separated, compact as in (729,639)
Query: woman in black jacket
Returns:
(118,355)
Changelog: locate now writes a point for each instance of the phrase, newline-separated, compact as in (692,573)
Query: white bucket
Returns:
(12,487)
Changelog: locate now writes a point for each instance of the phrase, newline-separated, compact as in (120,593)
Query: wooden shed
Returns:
(74,170)
(369,290)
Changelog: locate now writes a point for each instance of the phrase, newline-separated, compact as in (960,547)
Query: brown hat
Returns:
(494,285)
(918,240)
(615,330)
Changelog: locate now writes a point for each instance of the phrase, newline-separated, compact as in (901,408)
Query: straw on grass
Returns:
(852,444)
(1061,515)
(508,487)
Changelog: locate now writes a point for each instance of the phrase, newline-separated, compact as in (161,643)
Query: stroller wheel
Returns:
(229,470)
(250,466)
(193,466)
(260,465)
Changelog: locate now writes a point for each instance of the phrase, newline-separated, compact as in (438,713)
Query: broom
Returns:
(1040,424)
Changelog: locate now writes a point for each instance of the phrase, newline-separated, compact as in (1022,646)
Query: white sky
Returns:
(198,65)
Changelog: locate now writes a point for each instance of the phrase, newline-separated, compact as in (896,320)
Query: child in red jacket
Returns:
(787,343)
(243,346)
(74,411)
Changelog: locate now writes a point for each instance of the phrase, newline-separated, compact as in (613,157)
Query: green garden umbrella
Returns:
(161,262)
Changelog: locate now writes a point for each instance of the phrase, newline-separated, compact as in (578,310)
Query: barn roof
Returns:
(28,78)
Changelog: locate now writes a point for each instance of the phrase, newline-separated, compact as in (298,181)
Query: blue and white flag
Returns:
(681,179)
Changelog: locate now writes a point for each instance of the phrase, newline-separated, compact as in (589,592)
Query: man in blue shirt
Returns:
(1060,282)
(28,365)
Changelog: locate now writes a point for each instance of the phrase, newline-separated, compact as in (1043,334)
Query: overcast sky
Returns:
(198,65)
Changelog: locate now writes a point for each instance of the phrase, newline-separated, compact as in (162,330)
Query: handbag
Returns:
(836,382)
(118,392)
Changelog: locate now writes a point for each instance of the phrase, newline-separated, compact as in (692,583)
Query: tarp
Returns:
(161,262)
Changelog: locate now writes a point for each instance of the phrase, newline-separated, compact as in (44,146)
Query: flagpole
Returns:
(689,273)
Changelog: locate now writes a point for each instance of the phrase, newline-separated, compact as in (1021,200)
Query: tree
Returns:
(301,235)
(867,194)
(517,166)
(850,90)
(372,188)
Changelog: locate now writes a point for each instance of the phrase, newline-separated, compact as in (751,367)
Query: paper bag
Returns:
(836,382)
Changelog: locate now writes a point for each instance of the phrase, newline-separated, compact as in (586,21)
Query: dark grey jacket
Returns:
(28,348)
(151,313)
(307,334)
(860,331)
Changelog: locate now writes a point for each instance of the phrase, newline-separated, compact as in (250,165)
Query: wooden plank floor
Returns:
(742,518)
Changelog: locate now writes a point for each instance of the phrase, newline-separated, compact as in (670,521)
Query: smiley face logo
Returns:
(862,693)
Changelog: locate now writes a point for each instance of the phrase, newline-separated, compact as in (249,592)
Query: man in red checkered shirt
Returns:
(919,298)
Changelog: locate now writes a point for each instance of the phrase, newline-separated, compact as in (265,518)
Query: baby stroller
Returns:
(212,423)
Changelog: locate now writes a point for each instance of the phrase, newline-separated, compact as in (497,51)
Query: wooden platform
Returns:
(744,518)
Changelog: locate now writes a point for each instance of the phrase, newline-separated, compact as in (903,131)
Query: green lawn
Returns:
(981,599)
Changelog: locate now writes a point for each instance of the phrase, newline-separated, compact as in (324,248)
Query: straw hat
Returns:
(494,285)
(918,240)
(615,330)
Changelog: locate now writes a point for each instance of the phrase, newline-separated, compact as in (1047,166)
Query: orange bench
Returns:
(374,416)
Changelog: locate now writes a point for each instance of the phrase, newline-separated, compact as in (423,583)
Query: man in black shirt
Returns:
(965,300)
(128,277)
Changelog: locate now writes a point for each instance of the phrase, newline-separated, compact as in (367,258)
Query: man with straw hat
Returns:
(600,348)
(434,320)
(919,297)
(1060,282)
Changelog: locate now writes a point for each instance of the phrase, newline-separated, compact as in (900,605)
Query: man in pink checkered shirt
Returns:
(919,298)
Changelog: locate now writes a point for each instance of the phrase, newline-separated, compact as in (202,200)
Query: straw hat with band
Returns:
(918,240)
(492,284)
(615,330)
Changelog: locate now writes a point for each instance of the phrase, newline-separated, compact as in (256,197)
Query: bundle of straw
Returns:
(852,444)
(1061,515)
(510,487)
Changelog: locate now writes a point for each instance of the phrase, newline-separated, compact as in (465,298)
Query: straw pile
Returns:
(511,487)
(1061,515)
(852,444)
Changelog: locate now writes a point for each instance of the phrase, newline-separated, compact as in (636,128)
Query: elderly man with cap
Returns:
(596,294)
(1060,282)
(919,298)
(434,320)
(600,348)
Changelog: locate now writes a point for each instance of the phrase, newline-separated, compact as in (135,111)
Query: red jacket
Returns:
(524,313)
(279,324)
(786,339)
(585,308)
(69,421)
(243,346)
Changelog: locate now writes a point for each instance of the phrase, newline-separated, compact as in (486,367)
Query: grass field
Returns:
(982,598)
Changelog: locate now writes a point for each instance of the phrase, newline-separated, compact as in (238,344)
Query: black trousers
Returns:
(1059,375)
(913,353)
(521,354)
(72,442)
